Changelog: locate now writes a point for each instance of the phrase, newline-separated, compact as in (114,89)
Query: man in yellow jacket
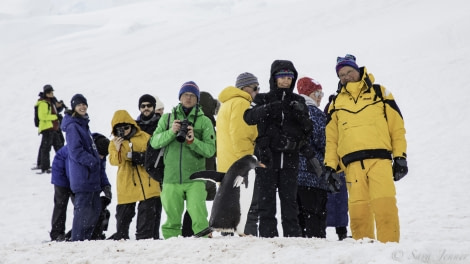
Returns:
(364,133)
(235,138)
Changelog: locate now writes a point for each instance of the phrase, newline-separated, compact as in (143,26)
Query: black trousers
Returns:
(146,215)
(285,182)
(252,219)
(59,213)
(49,139)
(312,211)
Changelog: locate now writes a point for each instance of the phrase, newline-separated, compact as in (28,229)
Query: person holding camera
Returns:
(188,142)
(127,151)
(284,127)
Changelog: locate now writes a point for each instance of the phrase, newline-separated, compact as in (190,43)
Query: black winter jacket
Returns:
(281,135)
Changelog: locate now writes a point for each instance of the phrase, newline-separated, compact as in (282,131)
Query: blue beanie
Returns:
(78,99)
(348,60)
(189,87)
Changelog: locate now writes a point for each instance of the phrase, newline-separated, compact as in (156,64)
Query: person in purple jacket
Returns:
(84,169)
(62,191)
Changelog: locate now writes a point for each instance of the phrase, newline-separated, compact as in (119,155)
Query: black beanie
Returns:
(147,98)
(78,99)
(102,143)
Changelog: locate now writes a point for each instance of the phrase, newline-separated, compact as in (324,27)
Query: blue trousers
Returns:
(87,209)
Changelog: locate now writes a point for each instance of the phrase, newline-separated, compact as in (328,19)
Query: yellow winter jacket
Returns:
(235,138)
(362,126)
(133,183)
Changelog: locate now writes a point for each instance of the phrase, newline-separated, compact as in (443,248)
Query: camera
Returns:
(120,132)
(181,136)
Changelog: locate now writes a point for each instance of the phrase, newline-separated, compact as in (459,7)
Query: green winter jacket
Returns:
(45,115)
(183,159)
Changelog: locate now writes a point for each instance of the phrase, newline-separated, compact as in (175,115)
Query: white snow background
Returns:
(113,51)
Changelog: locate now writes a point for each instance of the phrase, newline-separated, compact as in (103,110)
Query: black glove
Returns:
(107,192)
(274,109)
(400,168)
(332,180)
(266,157)
(138,158)
(314,166)
(297,106)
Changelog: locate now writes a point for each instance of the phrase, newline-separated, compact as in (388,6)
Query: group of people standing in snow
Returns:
(311,157)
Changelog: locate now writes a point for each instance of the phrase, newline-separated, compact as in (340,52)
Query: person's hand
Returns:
(175,127)
(190,134)
(297,106)
(314,166)
(400,168)
(107,192)
(274,109)
(117,142)
(266,157)
(332,180)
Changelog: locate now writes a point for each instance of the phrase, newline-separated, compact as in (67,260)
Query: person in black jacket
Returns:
(148,122)
(283,123)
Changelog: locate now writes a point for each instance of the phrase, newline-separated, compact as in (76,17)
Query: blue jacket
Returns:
(318,142)
(83,162)
(60,169)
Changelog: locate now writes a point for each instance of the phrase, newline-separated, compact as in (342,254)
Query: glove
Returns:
(332,180)
(266,157)
(107,192)
(138,158)
(274,109)
(400,168)
(314,166)
(297,106)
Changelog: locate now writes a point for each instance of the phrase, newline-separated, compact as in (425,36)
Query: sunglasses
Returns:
(146,106)
(123,127)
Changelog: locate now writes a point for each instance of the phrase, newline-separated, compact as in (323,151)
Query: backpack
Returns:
(36,117)
(153,163)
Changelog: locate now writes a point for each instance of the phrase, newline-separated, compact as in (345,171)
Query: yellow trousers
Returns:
(372,202)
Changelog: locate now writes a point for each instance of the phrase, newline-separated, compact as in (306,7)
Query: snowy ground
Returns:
(113,51)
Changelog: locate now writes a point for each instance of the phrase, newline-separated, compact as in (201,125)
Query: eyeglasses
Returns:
(146,105)
(318,93)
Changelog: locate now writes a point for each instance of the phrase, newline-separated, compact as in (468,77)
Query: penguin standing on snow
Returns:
(226,208)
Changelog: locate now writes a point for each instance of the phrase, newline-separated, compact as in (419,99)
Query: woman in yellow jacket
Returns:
(364,133)
(127,151)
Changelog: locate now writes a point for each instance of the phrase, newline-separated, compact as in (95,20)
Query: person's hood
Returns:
(122,116)
(278,65)
(232,92)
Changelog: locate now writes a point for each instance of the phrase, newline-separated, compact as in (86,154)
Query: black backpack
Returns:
(36,118)
(153,163)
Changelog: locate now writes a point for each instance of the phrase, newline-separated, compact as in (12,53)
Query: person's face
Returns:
(348,74)
(125,128)
(284,82)
(146,108)
(50,94)
(317,96)
(188,99)
(252,89)
(81,109)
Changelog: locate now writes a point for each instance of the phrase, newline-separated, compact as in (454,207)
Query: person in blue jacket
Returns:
(62,191)
(84,169)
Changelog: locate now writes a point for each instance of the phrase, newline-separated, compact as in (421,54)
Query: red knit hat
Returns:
(307,86)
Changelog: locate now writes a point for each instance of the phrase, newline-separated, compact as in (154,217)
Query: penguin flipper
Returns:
(208,175)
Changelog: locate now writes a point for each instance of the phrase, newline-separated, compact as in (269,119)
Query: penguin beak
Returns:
(259,164)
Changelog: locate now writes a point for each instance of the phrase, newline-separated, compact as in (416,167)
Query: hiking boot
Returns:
(44,171)
(36,167)
(342,236)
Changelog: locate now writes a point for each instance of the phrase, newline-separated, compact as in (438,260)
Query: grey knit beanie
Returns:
(246,79)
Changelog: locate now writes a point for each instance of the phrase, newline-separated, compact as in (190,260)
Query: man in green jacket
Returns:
(188,141)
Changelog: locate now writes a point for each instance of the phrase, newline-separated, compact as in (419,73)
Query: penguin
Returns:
(227,209)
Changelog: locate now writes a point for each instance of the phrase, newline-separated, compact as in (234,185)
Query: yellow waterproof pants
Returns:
(372,200)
